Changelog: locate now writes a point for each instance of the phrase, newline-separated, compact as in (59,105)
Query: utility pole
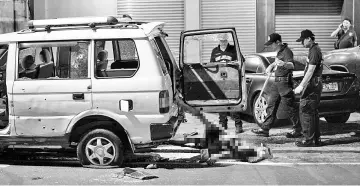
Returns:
(14,20)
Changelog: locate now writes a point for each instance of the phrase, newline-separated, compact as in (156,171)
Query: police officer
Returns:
(310,89)
(281,89)
(225,52)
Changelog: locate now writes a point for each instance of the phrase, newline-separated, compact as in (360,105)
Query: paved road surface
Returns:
(283,169)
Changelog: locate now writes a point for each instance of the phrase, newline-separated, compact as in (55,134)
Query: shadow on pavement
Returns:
(138,161)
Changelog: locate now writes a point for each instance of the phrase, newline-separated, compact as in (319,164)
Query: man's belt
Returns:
(281,78)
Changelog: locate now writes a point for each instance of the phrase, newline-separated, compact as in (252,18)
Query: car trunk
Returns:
(334,82)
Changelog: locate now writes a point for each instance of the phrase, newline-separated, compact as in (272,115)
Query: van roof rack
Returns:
(92,22)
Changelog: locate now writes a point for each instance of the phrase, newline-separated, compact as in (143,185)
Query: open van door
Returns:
(213,70)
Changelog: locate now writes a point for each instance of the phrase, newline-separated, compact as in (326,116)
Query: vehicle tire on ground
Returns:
(259,109)
(100,148)
(339,118)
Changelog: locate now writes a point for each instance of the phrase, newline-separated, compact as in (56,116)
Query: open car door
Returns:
(213,70)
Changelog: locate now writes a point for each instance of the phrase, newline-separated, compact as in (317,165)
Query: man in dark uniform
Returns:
(225,52)
(281,89)
(310,89)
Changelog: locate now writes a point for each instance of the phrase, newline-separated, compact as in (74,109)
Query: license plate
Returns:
(330,87)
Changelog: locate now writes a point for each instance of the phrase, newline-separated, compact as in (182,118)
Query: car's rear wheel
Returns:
(259,109)
(339,118)
(100,148)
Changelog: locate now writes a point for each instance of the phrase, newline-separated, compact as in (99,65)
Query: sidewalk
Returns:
(336,137)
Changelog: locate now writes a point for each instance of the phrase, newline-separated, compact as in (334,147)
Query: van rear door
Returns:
(213,70)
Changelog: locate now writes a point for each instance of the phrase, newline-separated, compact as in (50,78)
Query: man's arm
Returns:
(306,79)
(308,75)
(270,67)
(288,65)
(334,33)
(355,39)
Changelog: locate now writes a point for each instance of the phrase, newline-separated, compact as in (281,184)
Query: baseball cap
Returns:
(222,36)
(305,34)
(273,38)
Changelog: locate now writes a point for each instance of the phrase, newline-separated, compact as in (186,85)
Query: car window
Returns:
(3,54)
(49,60)
(205,48)
(116,58)
(160,57)
(254,64)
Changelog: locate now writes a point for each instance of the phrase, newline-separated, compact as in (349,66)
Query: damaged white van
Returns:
(105,87)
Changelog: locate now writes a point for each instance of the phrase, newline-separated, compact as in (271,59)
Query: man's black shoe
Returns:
(293,134)
(305,143)
(260,132)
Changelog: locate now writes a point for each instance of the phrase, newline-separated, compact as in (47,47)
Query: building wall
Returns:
(265,13)
(49,9)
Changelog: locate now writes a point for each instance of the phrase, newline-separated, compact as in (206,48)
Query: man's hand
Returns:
(340,26)
(298,89)
(279,62)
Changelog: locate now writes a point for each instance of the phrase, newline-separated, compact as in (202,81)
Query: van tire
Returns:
(100,145)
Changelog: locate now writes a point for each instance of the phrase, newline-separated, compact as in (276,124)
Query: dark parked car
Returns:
(340,95)
(345,60)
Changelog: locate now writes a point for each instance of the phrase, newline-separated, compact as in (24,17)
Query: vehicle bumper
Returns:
(164,131)
(347,104)
(338,106)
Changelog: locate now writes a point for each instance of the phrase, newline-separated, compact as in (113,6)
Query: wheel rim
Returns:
(100,151)
(260,111)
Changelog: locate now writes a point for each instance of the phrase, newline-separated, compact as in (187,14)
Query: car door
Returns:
(213,74)
(44,106)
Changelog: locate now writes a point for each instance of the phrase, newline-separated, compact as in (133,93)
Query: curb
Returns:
(179,149)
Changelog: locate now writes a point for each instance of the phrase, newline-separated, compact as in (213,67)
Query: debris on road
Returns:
(190,134)
(141,175)
(151,166)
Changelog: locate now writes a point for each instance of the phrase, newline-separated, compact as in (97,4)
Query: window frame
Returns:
(116,55)
(55,57)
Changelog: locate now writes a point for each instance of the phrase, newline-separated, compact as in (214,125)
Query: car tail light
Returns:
(164,101)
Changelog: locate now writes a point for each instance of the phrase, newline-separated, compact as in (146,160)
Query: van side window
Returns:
(116,58)
(3,60)
(53,60)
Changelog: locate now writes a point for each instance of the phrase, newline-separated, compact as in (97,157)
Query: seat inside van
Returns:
(125,64)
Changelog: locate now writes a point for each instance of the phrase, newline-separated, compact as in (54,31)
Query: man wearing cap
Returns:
(225,52)
(281,89)
(310,89)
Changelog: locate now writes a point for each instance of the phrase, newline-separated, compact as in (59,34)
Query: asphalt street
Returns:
(335,163)
(291,170)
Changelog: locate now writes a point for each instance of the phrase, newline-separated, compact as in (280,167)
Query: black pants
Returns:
(309,103)
(282,90)
(224,121)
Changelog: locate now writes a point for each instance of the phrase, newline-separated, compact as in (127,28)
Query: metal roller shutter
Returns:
(240,14)
(321,17)
(169,11)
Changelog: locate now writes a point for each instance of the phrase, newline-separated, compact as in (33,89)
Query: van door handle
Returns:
(78,96)
(248,80)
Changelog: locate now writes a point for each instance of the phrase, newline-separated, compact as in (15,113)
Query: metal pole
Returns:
(14,21)
(264,86)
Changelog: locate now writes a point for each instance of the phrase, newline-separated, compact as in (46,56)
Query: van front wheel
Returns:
(100,148)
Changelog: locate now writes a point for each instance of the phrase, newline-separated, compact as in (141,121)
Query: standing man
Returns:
(281,89)
(310,89)
(225,52)
(346,37)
